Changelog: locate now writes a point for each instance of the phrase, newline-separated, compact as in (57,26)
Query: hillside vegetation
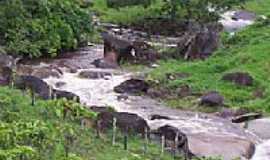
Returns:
(44,27)
(248,51)
(41,132)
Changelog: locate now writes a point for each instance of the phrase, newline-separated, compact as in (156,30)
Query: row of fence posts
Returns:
(125,141)
(146,141)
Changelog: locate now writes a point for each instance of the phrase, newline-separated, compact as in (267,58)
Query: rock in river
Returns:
(132,86)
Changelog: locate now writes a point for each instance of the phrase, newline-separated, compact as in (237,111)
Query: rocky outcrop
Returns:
(239,78)
(260,127)
(212,99)
(126,122)
(199,42)
(118,49)
(105,64)
(132,86)
(211,145)
(37,85)
(94,74)
(59,94)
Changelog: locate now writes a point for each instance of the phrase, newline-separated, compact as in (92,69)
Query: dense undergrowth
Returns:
(42,132)
(247,51)
(44,27)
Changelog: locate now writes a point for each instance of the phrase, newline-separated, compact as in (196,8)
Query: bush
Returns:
(44,27)
(125,3)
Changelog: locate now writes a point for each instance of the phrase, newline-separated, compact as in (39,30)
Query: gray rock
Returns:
(212,99)
(94,74)
(228,147)
(239,78)
(261,127)
(244,15)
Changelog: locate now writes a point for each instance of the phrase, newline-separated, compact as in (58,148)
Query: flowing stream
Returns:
(208,135)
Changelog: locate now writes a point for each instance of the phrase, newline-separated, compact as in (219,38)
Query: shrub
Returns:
(44,27)
(124,3)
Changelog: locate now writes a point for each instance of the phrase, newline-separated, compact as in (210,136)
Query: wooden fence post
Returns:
(33,97)
(175,145)
(114,131)
(146,141)
(125,141)
(162,144)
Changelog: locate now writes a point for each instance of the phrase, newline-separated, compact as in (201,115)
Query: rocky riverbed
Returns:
(207,134)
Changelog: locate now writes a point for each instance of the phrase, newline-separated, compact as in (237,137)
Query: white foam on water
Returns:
(262,151)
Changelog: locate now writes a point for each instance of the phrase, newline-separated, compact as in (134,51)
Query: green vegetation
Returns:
(247,51)
(42,132)
(130,14)
(258,6)
(44,27)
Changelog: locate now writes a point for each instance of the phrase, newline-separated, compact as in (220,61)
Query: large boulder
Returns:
(118,49)
(212,99)
(126,122)
(170,133)
(239,78)
(132,86)
(58,94)
(36,84)
(228,147)
(261,127)
(199,42)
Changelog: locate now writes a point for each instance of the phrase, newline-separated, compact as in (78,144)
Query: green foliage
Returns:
(42,132)
(198,10)
(125,3)
(33,28)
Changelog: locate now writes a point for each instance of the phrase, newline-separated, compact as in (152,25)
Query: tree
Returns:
(198,10)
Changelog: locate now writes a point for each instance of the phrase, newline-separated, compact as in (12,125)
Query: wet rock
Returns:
(199,42)
(144,53)
(159,117)
(126,122)
(170,133)
(228,113)
(60,84)
(244,15)
(100,109)
(94,74)
(228,147)
(59,94)
(132,86)
(118,49)
(239,78)
(46,72)
(212,99)
(260,127)
(6,61)
(102,63)
(36,84)
(246,117)
(122,98)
